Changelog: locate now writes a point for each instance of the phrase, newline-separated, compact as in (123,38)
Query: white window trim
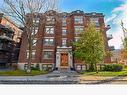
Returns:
(79,18)
(27,52)
(48,40)
(49,29)
(48,50)
(44,55)
(34,44)
(49,37)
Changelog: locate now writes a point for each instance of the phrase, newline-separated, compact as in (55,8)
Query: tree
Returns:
(124,50)
(125,37)
(19,10)
(90,47)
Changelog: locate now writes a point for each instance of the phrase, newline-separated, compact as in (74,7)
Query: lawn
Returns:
(106,73)
(22,73)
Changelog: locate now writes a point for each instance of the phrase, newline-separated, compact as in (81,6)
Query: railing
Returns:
(111,48)
(4,60)
(108,26)
(109,37)
(6,49)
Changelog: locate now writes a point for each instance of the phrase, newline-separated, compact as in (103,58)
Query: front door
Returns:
(64,60)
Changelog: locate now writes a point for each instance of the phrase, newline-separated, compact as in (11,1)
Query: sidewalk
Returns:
(55,77)
(103,80)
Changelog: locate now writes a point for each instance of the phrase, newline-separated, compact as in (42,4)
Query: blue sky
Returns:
(104,6)
(114,11)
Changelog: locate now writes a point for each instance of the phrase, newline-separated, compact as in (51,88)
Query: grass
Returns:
(22,73)
(106,73)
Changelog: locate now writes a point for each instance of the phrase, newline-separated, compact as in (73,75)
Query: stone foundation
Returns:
(42,66)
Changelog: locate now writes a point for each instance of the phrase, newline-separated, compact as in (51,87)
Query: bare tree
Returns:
(20,9)
(123,28)
(124,50)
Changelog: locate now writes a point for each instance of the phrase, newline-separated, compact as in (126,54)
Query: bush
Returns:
(37,67)
(113,67)
(14,66)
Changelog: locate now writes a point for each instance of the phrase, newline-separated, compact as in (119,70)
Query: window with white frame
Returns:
(64,41)
(47,54)
(49,30)
(33,54)
(76,39)
(34,42)
(78,19)
(48,41)
(34,30)
(78,29)
(95,21)
(98,29)
(50,19)
(64,23)
(36,21)
(64,31)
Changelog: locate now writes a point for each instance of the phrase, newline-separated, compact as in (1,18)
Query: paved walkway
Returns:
(103,80)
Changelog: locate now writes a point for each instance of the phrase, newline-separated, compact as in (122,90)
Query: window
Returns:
(76,39)
(36,20)
(49,41)
(50,19)
(64,23)
(64,31)
(78,29)
(78,19)
(95,21)
(98,29)
(47,54)
(1,45)
(33,54)
(64,42)
(10,35)
(49,30)
(8,25)
(34,42)
(34,30)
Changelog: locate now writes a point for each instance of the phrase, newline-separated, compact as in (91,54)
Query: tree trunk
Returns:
(96,68)
(91,67)
(30,55)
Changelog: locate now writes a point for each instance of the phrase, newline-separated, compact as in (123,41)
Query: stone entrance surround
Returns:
(67,50)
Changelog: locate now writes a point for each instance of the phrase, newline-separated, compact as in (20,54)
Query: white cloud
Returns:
(118,14)
(120,8)
(111,18)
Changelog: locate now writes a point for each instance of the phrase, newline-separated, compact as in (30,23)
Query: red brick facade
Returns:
(10,36)
(61,43)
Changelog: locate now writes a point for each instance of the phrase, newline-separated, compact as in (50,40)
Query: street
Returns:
(63,77)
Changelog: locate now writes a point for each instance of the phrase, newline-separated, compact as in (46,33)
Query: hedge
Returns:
(113,67)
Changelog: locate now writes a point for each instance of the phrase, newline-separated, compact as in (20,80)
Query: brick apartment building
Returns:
(54,33)
(10,36)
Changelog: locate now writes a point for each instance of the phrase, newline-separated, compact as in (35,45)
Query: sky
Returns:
(114,11)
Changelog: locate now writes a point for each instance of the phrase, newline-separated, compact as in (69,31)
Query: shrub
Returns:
(14,66)
(113,67)
(37,67)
